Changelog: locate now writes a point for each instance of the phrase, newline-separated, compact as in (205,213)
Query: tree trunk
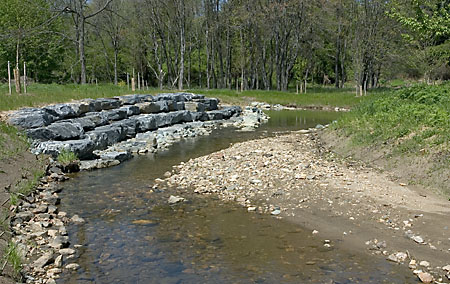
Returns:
(81,50)
(115,67)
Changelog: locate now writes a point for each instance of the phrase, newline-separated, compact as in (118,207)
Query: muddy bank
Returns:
(357,207)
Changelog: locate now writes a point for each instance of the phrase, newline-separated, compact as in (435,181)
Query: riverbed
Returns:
(132,234)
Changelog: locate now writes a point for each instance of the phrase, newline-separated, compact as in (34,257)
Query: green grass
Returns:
(319,96)
(12,141)
(26,186)
(41,94)
(12,256)
(66,157)
(411,118)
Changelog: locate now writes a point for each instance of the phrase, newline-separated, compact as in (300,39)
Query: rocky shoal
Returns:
(290,177)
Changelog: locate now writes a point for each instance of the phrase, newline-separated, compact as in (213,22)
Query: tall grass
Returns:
(411,118)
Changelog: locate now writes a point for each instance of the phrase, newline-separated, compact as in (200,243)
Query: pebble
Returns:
(425,277)
(276,212)
(251,209)
(424,263)
(446,268)
(418,239)
(175,199)
(72,266)
(77,219)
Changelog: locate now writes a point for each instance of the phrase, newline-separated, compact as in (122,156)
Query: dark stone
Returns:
(116,114)
(146,123)
(131,126)
(153,107)
(104,104)
(24,216)
(31,118)
(200,116)
(215,115)
(107,135)
(180,116)
(63,111)
(132,99)
(194,106)
(131,110)
(90,120)
(82,148)
(56,131)
(162,120)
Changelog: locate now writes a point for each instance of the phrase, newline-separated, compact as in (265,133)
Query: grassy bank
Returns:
(316,97)
(41,94)
(407,131)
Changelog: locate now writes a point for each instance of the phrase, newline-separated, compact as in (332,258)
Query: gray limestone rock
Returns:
(107,135)
(116,155)
(82,148)
(31,118)
(146,122)
(153,107)
(63,111)
(116,114)
(57,131)
(131,110)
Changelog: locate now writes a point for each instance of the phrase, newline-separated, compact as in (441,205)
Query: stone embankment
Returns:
(104,132)
(345,203)
(107,131)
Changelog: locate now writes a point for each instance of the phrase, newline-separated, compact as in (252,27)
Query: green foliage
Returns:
(66,157)
(12,256)
(412,118)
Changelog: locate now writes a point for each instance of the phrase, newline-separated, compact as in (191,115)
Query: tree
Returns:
(79,9)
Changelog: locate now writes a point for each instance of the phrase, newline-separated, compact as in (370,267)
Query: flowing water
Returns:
(132,235)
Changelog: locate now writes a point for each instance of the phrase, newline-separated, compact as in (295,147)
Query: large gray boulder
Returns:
(130,125)
(131,110)
(177,97)
(180,116)
(107,135)
(194,106)
(90,121)
(163,119)
(57,131)
(102,104)
(216,115)
(116,114)
(146,122)
(83,148)
(153,107)
(200,116)
(134,99)
(62,111)
(210,104)
(31,118)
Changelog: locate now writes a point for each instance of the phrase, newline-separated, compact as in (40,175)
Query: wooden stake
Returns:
(24,77)
(133,84)
(139,82)
(9,77)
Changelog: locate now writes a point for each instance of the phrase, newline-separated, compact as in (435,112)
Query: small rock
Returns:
(276,212)
(425,277)
(175,199)
(412,264)
(397,257)
(72,266)
(424,263)
(66,251)
(417,239)
(167,174)
(446,268)
(77,219)
(58,261)
(315,232)
(251,209)
(43,260)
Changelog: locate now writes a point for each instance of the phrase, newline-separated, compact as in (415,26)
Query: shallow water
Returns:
(133,236)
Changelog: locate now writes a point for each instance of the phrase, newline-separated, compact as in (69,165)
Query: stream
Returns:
(132,235)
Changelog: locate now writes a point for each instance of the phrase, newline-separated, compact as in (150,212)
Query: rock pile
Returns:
(89,127)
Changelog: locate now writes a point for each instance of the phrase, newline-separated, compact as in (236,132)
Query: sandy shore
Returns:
(354,206)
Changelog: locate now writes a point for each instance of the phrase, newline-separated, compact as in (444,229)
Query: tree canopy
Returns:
(243,44)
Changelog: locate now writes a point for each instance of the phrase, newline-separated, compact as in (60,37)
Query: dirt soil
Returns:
(13,170)
(355,206)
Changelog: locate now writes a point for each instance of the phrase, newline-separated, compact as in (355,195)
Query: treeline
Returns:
(243,44)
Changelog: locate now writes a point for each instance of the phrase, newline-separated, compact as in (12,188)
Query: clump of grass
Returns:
(12,256)
(25,186)
(66,157)
(12,141)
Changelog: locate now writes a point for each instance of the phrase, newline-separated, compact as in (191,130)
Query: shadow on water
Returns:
(133,236)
